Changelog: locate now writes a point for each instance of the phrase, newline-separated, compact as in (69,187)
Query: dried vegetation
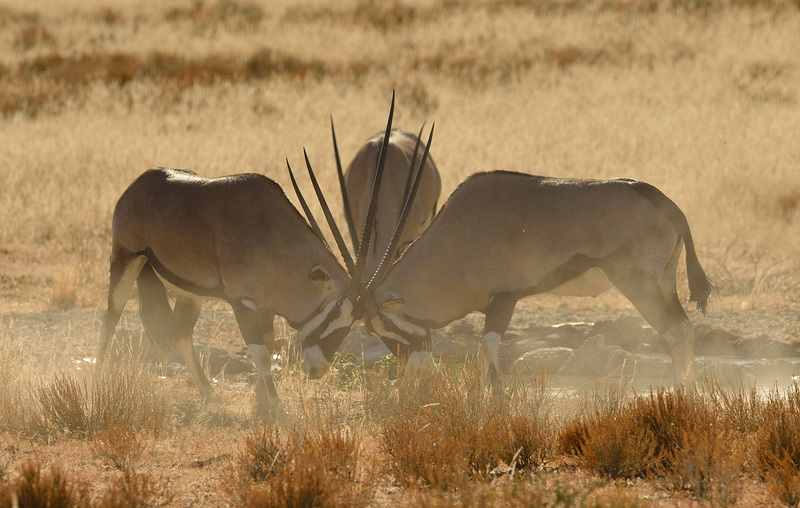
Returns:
(698,97)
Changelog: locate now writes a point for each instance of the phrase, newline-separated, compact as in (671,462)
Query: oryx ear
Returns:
(392,300)
(319,276)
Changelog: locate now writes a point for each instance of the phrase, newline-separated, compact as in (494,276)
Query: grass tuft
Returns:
(37,487)
(301,467)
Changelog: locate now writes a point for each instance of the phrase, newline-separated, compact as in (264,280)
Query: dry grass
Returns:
(698,97)
(438,440)
(695,97)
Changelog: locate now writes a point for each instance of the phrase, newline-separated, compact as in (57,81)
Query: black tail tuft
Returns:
(700,286)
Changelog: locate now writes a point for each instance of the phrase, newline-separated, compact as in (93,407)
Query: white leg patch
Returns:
(314,361)
(489,354)
(263,363)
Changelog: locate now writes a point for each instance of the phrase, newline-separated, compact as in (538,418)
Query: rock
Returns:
(710,340)
(630,333)
(764,347)
(773,371)
(546,360)
(366,348)
(595,359)
(570,335)
(726,375)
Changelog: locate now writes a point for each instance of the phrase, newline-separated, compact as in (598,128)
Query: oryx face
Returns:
(323,334)
(390,322)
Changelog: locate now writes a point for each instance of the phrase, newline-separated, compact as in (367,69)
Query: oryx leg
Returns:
(186,313)
(417,357)
(125,267)
(498,316)
(665,315)
(259,339)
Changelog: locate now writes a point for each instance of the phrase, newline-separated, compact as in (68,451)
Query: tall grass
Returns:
(444,430)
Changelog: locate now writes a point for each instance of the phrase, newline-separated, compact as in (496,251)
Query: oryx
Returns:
(502,236)
(235,238)
(356,185)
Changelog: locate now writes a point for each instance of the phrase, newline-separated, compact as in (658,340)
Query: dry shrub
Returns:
(13,409)
(133,490)
(119,448)
(444,429)
(35,487)
(614,445)
(301,467)
(32,36)
(538,490)
(681,437)
(70,403)
(778,445)
(236,15)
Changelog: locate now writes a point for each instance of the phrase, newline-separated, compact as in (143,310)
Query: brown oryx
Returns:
(356,185)
(503,236)
(235,238)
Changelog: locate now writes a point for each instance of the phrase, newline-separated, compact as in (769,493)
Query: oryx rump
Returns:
(402,155)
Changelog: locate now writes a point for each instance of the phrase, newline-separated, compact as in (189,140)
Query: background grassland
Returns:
(699,98)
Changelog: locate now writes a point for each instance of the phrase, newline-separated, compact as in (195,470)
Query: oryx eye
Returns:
(387,323)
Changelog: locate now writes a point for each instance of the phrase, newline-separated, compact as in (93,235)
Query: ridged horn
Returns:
(304,205)
(391,250)
(337,235)
(348,212)
(369,223)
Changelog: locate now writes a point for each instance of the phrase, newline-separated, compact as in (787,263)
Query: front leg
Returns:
(498,316)
(258,333)
(415,354)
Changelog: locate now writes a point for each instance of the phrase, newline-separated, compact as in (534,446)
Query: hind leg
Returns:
(664,313)
(125,267)
(186,313)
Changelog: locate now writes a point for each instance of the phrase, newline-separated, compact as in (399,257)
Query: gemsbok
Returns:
(236,238)
(503,236)
(356,186)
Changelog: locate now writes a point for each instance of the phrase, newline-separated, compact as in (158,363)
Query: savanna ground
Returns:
(698,97)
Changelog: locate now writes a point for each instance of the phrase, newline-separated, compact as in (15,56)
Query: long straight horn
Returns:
(369,223)
(410,179)
(337,235)
(309,215)
(391,250)
(348,212)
